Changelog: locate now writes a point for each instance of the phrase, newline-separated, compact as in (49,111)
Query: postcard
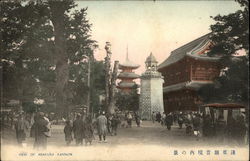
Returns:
(124,80)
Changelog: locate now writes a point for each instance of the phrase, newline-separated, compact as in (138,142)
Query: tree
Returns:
(44,43)
(97,84)
(24,41)
(230,35)
(127,100)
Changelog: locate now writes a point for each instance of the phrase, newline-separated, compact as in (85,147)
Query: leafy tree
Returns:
(24,35)
(127,100)
(44,43)
(230,35)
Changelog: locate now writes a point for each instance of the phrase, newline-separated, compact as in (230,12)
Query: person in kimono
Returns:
(102,127)
(68,133)
(39,128)
(78,130)
(88,130)
(21,128)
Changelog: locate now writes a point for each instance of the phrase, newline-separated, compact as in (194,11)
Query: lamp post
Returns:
(88,84)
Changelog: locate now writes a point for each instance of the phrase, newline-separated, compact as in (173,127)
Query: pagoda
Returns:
(127,75)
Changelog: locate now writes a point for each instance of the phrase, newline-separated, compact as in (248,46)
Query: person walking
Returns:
(21,128)
(109,119)
(158,117)
(102,127)
(137,120)
(153,117)
(163,119)
(78,130)
(38,131)
(115,122)
(46,117)
(129,119)
(88,130)
(207,126)
(169,121)
(188,123)
(240,127)
(68,133)
(180,120)
(196,125)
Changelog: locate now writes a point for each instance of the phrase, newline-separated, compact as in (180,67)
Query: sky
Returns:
(147,26)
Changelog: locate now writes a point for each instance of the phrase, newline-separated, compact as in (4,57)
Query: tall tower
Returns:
(127,75)
(151,97)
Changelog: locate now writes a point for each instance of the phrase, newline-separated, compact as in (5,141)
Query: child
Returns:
(68,133)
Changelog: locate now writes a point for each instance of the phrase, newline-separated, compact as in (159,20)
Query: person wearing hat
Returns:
(78,130)
(102,127)
(39,128)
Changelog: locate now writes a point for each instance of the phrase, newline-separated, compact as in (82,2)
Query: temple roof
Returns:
(186,85)
(191,49)
(128,75)
(126,84)
(151,58)
(128,64)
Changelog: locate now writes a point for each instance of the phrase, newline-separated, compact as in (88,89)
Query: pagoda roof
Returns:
(186,85)
(128,64)
(128,75)
(126,84)
(192,49)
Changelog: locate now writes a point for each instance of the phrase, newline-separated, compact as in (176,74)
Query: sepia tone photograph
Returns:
(110,80)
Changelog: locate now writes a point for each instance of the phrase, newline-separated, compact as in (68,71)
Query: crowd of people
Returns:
(37,127)
(81,127)
(78,127)
(204,125)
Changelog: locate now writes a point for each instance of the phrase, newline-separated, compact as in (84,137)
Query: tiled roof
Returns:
(186,85)
(128,75)
(128,64)
(126,84)
(190,49)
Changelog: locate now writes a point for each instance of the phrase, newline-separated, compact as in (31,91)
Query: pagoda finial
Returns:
(127,53)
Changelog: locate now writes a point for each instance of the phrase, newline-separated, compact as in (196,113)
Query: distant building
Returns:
(186,70)
(151,97)
(127,75)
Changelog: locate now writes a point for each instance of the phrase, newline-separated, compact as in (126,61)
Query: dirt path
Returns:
(149,142)
(147,134)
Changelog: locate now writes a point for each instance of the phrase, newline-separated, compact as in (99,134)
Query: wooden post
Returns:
(111,107)
(107,74)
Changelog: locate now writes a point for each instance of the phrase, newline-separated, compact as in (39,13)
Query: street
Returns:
(148,142)
(148,134)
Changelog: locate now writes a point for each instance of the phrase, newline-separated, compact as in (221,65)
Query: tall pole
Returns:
(107,74)
(111,107)
(88,84)
(88,98)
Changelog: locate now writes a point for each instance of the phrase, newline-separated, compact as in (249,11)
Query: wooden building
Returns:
(186,70)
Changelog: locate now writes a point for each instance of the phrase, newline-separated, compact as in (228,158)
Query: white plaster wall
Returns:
(157,94)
